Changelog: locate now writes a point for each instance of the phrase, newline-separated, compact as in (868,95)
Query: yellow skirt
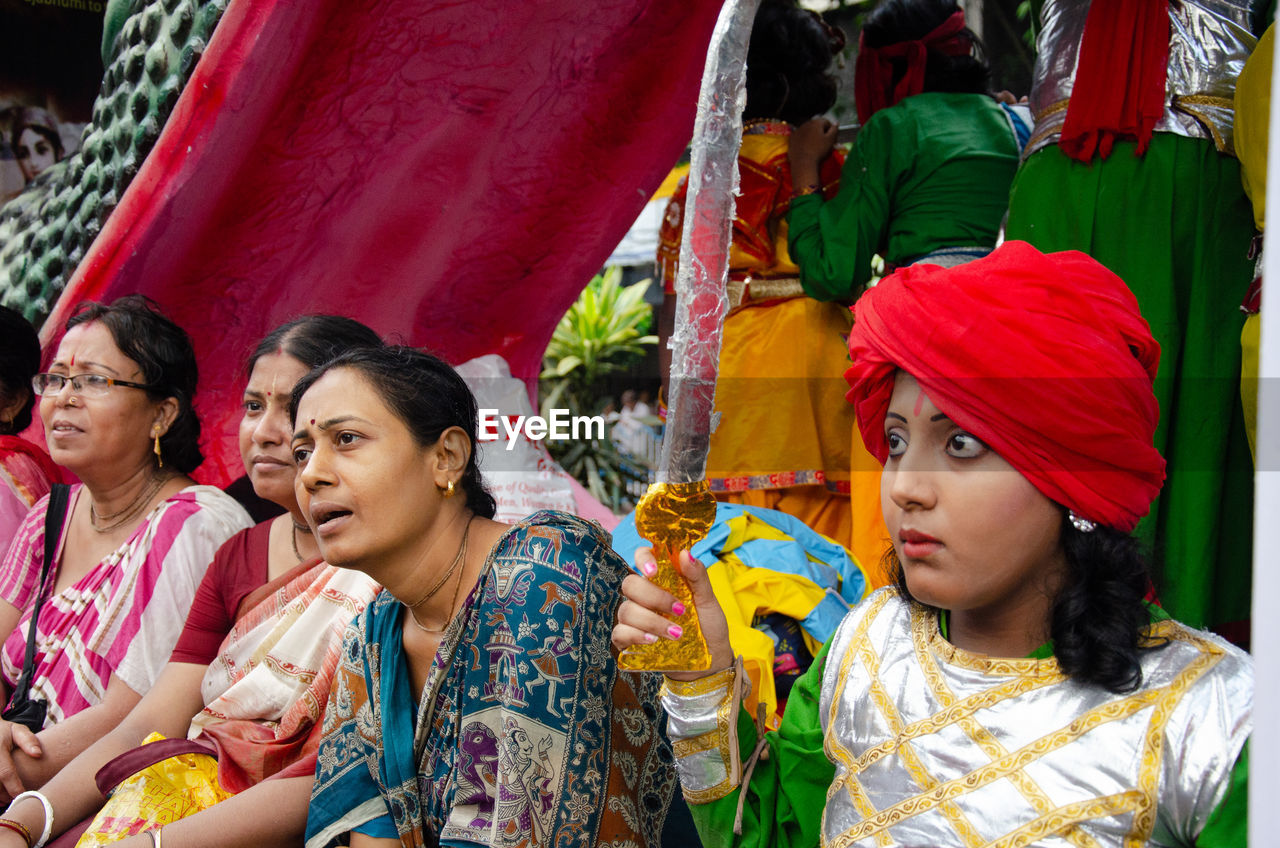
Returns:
(783,439)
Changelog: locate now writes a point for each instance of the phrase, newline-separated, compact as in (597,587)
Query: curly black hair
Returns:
(909,20)
(787,63)
(1099,617)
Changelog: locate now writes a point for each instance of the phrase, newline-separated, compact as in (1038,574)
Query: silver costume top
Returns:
(1209,41)
(937,746)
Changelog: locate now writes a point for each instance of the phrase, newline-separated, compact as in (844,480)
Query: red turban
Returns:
(1044,357)
(873,83)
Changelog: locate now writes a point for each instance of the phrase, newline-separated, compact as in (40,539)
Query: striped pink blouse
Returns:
(125,615)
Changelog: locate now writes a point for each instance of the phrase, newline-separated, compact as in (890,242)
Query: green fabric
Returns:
(1175,225)
(1228,825)
(931,172)
(789,789)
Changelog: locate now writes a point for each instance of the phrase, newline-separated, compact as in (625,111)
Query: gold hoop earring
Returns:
(448,492)
(159,458)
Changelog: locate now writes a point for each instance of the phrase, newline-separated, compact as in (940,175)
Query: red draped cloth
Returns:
(450,173)
(1119,89)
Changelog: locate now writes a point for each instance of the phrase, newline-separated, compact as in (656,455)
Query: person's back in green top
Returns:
(931,172)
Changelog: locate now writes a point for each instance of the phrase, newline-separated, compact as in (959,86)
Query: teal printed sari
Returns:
(526,733)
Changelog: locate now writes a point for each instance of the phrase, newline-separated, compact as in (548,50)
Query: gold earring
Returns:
(448,492)
(159,458)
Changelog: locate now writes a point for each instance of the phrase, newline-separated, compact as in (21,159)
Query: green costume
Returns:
(931,172)
(1175,226)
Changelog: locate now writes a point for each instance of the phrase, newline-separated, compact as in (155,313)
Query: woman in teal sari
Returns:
(477,700)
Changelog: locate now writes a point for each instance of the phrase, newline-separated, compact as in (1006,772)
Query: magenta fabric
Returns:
(1044,357)
(450,173)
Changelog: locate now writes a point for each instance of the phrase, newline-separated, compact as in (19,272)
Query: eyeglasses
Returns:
(85,385)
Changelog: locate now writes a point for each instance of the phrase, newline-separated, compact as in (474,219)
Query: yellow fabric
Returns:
(669,183)
(781,392)
(762,218)
(160,794)
(1250,339)
(746,593)
(869,538)
(1253,101)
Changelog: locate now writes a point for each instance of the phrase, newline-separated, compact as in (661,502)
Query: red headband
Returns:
(873,85)
(1045,358)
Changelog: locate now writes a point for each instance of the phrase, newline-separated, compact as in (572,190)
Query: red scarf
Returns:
(1119,89)
(38,474)
(873,84)
(1044,357)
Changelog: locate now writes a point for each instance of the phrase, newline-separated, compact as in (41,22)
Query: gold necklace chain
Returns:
(125,515)
(462,552)
(293,537)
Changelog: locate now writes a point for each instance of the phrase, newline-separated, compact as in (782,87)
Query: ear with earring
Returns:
(159,459)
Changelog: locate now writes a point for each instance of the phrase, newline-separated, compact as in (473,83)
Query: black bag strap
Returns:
(53,517)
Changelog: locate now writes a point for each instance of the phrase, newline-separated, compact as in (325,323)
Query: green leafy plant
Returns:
(604,332)
(1025,13)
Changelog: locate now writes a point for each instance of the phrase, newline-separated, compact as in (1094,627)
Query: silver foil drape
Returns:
(701,303)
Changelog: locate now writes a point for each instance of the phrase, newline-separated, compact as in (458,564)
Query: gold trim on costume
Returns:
(754,290)
(723,739)
(1028,675)
(1069,816)
(687,747)
(983,738)
(1202,107)
(706,796)
(1153,748)
(924,624)
(1050,111)
(701,686)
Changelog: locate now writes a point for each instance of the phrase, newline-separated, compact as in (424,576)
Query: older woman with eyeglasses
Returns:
(133,545)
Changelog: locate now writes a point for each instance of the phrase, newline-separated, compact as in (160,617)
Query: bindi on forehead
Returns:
(919,403)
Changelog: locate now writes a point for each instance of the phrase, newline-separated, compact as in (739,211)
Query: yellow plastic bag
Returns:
(159,794)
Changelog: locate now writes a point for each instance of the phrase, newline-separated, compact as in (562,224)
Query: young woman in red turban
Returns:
(1014,685)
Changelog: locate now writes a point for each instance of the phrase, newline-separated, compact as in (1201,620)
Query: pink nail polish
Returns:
(675,631)
(649,569)
(677,608)
(650,638)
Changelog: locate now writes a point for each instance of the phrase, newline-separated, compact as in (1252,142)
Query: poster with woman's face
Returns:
(50,72)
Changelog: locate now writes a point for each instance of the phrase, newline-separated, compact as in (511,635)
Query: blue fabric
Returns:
(821,624)
(1018,119)
(526,732)
(834,569)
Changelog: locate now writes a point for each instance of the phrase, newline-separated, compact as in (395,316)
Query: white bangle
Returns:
(48,815)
